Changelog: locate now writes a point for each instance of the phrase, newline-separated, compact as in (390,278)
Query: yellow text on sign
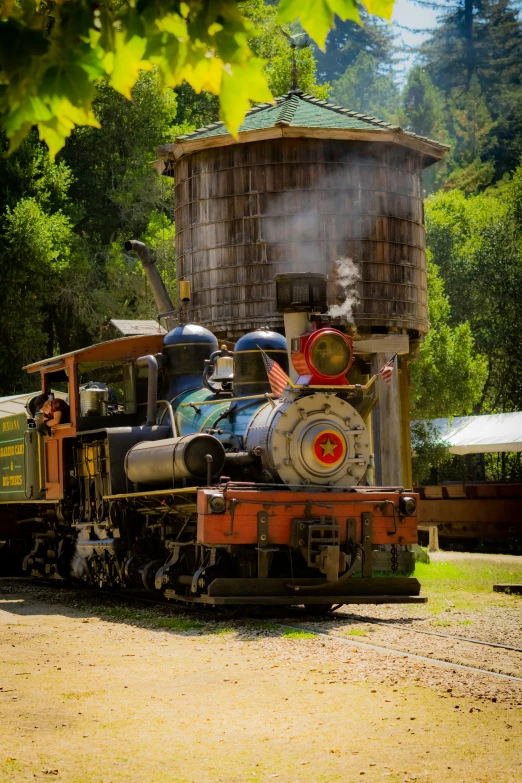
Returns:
(12,481)
(11,451)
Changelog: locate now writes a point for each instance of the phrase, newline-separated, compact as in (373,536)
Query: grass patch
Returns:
(455,585)
(263,625)
(122,613)
(293,634)
(465,622)
(225,630)
(356,632)
(178,624)
(151,619)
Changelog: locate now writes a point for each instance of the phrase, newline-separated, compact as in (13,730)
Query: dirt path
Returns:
(105,696)
(477,556)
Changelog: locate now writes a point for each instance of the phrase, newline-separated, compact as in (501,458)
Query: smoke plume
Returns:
(347,275)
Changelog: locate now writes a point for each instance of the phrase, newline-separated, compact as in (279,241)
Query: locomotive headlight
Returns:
(408,505)
(217,504)
(329,353)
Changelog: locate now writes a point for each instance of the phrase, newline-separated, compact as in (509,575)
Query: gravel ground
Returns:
(98,690)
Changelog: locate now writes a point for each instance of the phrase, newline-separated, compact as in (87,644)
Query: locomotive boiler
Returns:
(204,473)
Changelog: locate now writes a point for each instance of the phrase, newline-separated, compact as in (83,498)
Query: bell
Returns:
(223,369)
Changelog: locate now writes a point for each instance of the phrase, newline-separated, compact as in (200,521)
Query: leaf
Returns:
(64,119)
(239,86)
(382,8)
(206,74)
(126,62)
(53,53)
(317,16)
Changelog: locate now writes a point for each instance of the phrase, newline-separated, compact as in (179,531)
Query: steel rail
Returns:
(431,633)
(401,653)
(322,633)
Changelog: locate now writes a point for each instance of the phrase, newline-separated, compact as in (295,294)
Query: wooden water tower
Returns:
(304,184)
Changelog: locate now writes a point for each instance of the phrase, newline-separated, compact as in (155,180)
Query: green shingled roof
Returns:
(294,109)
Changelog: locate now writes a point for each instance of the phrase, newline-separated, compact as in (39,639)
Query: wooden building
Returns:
(304,184)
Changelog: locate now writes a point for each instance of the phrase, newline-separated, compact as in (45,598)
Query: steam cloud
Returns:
(347,275)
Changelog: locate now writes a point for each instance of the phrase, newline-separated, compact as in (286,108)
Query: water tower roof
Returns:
(297,114)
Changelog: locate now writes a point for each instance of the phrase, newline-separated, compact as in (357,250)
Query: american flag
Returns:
(276,375)
(387,369)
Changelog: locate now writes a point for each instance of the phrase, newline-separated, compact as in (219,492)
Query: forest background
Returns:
(63,221)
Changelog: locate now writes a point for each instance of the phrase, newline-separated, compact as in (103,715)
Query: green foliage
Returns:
(317,16)
(476,243)
(423,105)
(114,183)
(367,88)
(471,125)
(52,55)
(449,376)
(429,452)
(474,57)
(37,262)
(347,40)
(271,45)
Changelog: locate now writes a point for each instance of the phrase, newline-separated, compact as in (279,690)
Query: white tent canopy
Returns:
(481,434)
(11,406)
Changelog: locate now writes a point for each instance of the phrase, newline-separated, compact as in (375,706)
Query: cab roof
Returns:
(120,350)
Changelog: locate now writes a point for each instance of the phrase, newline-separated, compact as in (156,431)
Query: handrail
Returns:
(172,419)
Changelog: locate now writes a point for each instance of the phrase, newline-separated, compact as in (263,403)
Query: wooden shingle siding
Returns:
(249,211)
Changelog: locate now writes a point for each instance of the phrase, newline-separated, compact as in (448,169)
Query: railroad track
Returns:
(325,633)
(428,633)
(401,653)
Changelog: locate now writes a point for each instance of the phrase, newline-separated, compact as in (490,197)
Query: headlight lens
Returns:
(217,504)
(408,505)
(330,354)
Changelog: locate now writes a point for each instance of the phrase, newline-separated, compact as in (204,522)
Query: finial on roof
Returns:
(297,42)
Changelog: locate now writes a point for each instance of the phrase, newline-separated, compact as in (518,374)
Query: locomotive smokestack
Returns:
(298,295)
(146,256)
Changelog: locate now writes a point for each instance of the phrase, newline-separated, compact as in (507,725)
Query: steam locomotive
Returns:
(181,472)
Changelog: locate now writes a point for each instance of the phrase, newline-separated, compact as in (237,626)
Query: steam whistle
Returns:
(184,299)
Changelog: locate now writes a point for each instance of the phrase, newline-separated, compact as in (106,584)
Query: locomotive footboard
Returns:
(379,590)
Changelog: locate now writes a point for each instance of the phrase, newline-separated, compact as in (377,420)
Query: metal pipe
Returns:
(240,458)
(152,389)
(222,400)
(173,425)
(210,459)
(325,588)
(161,296)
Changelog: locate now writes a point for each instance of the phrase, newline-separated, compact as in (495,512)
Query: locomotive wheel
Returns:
(317,610)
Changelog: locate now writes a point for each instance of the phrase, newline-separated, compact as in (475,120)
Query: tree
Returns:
(271,45)
(422,111)
(368,89)
(471,126)
(52,54)
(38,256)
(347,41)
(198,109)
(422,105)
(476,244)
(449,376)
(115,185)
(476,50)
